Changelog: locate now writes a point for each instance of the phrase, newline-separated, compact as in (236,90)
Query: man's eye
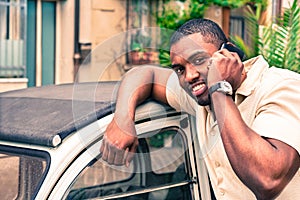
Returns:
(179,70)
(198,61)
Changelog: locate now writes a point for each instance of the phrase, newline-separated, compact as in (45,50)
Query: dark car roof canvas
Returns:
(46,115)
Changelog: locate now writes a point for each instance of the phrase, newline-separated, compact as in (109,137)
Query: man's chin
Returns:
(202,101)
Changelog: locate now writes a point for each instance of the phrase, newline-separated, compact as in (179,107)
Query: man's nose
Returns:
(191,73)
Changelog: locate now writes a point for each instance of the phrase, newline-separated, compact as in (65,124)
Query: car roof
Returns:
(46,115)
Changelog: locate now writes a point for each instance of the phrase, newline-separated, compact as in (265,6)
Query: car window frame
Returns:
(27,152)
(151,188)
(142,128)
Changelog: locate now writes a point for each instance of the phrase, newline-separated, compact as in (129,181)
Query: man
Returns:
(248,114)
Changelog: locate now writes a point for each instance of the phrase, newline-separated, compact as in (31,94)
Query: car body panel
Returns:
(74,142)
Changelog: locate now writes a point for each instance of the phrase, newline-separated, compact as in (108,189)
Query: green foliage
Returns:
(140,41)
(228,3)
(252,29)
(279,43)
(171,19)
(259,5)
(281,40)
(164,58)
(158,140)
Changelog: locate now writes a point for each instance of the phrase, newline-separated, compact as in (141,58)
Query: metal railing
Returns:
(13,15)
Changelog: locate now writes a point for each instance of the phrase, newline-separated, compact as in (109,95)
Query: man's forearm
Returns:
(134,89)
(252,156)
(120,141)
(138,85)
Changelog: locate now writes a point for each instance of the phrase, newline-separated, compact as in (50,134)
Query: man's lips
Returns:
(198,88)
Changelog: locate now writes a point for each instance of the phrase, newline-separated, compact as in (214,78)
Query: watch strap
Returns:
(214,87)
(221,86)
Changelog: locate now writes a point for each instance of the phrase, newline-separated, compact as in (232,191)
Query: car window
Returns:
(160,170)
(99,173)
(21,172)
(167,151)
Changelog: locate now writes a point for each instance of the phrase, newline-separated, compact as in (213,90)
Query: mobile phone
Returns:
(234,49)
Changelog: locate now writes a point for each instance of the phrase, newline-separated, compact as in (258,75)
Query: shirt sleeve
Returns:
(178,98)
(278,116)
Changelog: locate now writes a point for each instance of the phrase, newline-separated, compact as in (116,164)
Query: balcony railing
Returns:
(12,38)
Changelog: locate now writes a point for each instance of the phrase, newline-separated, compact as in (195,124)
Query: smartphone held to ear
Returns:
(233,49)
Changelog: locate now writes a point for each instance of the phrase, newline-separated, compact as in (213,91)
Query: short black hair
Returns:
(211,31)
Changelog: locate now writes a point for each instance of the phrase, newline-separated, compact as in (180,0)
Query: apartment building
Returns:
(46,42)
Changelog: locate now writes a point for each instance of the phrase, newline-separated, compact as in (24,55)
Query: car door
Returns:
(164,166)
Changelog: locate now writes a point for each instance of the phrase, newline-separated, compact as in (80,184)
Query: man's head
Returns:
(209,30)
(192,46)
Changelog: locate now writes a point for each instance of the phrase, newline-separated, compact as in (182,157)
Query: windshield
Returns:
(21,172)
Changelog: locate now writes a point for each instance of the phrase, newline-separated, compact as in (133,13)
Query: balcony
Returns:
(12,44)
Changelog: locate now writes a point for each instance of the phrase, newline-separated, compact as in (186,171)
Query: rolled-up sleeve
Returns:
(278,115)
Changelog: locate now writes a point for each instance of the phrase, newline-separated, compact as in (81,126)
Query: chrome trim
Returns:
(149,189)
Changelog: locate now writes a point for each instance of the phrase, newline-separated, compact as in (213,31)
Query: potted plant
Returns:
(140,49)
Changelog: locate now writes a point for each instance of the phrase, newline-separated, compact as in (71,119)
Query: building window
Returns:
(12,38)
(141,40)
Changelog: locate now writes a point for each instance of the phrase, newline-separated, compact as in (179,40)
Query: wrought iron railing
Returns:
(13,38)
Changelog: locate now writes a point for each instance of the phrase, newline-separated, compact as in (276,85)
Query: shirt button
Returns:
(217,164)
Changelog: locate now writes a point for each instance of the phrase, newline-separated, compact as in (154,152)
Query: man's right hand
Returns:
(119,142)
(120,139)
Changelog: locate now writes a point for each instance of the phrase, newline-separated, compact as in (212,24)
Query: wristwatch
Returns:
(221,86)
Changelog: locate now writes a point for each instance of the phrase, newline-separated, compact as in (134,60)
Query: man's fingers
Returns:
(104,146)
(111,155)
(236,55)
(119,156)
(116,144)
(129,158)
(130,154)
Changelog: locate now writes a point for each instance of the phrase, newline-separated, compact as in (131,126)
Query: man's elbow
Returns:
(270,189)
(271,183)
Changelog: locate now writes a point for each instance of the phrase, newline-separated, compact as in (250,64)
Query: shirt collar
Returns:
(254,68)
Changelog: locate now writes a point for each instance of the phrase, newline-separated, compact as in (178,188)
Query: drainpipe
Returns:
(38,43)
(127,32)
(77,53)
(58,44)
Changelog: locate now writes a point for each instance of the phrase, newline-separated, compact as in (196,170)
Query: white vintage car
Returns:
(49,148)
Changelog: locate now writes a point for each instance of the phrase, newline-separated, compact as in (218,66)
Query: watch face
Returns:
(226,87)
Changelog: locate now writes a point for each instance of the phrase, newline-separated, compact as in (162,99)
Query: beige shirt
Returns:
(269,102)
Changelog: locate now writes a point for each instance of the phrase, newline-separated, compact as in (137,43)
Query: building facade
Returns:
(46,42)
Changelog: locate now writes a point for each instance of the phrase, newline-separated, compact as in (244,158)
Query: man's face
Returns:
(190,57)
